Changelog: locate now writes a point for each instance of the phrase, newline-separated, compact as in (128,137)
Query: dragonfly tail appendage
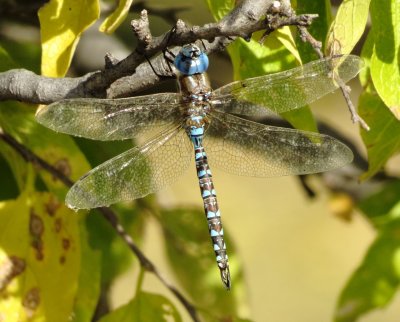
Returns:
(226,277)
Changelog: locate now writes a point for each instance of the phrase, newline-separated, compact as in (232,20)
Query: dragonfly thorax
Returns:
(195,87)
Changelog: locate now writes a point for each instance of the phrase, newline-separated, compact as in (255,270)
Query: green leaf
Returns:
(61,24)
(57,149)
(21,55)
(6,61)
(191,255)
(145,307)
(113,21)
(40,257)
(377,206)
(89,280)
(250,59)
(365,73)
(318,28)
(284,35)
(382,140)
(347,27)
(220,8)
(116,257)
(8,187)
(377,279)
(385,58)
(97,152)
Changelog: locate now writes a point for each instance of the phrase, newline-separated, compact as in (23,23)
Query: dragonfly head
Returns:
(191,60)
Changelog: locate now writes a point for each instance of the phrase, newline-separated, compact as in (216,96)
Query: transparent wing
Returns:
(247,148)
(287,90)
(111,119)
(134,173)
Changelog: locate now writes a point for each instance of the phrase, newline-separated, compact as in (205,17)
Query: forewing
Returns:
(111,119)
(285,91)
(134,173)
(247,148)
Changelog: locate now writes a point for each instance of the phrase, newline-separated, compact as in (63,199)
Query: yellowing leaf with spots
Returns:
(112,22)
(60,151)
(40,257)
(61,24)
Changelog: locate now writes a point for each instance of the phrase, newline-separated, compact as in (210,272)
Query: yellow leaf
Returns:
(347,27)
(284,35)
(40,258)
(113,21)
(61,24)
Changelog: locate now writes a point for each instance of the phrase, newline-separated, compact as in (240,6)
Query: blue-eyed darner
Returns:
(210,120)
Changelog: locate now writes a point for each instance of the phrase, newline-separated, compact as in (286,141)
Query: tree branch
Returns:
(248,17)
(108,214)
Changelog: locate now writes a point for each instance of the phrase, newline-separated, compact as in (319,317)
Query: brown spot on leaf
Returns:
(36,225)
(9,269)
(39,255)
(58,225)
(31,301)
(37,244)
(18,265)
(36,228)
(66,243)
(52,205)
(63,166)
(62,260)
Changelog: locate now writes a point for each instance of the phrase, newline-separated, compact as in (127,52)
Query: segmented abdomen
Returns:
(212,212)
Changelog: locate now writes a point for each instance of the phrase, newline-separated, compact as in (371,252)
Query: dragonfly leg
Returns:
(157,74)
(169,60)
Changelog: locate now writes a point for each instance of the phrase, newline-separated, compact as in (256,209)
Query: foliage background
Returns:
(299,262)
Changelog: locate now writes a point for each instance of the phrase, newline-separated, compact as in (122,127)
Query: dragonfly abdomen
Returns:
(212,213)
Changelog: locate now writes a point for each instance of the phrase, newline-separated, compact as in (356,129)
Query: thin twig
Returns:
(307,37)
(317,45)
(355,118)
(108,214)
(246,18)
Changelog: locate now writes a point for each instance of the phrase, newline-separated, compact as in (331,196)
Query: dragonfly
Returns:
(209,123)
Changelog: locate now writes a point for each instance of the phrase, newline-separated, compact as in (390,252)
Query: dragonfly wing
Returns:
(247,148)
(111,119)
(134,173)
(288,90)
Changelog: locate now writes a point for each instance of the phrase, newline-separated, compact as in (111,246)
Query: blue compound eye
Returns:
(191,60)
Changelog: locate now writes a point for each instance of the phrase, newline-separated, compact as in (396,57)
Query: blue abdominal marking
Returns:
(199,119)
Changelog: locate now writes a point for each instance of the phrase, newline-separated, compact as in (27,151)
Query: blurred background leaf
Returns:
(145,307)
(188,246)
(376,280)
